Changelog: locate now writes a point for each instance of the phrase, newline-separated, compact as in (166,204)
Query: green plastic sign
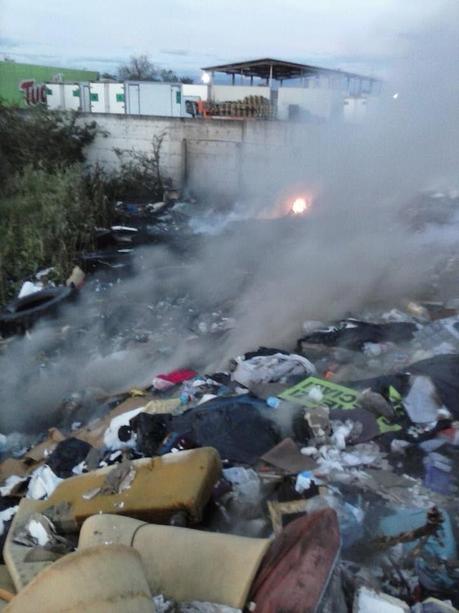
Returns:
(334,395)
(337,396)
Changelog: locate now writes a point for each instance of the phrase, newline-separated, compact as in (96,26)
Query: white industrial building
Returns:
(296,92)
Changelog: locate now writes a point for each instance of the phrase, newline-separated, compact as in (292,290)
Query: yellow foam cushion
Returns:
(161,487)
(99,579)
(181,563)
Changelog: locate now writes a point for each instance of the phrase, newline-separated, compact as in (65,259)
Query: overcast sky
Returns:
(355,35)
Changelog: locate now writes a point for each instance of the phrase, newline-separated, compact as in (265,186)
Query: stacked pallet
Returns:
(250,106)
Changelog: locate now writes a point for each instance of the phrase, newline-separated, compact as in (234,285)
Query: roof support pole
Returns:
(210,87)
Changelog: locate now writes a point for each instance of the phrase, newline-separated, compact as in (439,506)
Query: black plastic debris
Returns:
(150,431)
(353,334)
(67,455)
(262,351)
(234,426)
(117,259)
(20,314)
(443,370)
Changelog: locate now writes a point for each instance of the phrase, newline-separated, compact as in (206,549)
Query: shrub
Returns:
(45,218)
(50,204)
(41,138)
(138,175)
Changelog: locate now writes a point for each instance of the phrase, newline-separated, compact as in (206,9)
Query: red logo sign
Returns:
(34,93)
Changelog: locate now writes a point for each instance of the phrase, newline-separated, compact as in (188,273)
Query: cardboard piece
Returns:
(93,433)
(44,449)
(287,457)
(279,512)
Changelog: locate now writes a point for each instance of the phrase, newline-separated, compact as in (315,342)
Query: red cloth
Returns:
(178,376)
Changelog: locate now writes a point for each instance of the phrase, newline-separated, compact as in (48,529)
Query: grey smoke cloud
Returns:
(353,250)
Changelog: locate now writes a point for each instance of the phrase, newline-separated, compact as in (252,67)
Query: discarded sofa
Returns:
(160,487)
(107,578)
(156,489)
(184,564)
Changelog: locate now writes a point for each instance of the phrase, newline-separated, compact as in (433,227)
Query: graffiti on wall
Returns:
(34,93)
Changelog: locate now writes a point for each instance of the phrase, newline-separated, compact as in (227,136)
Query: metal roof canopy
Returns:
(278,70)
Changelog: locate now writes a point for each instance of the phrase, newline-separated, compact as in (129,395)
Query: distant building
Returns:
(265,89)
(296,91)
(24,84)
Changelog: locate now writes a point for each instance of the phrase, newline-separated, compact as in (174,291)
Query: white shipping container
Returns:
(54,97)
(115,98)
(107,97)
(149,98)
(63,96)
(72,98)
(97,97)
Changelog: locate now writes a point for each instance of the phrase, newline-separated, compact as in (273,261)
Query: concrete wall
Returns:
(219,156)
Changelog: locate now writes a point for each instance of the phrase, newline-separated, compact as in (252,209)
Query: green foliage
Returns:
(45,218)
(138,175)
(50,204)
(40,138)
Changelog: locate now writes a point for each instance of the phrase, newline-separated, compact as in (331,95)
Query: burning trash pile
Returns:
(316,477)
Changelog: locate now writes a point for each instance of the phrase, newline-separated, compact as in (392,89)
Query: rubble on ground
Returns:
(320,478)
